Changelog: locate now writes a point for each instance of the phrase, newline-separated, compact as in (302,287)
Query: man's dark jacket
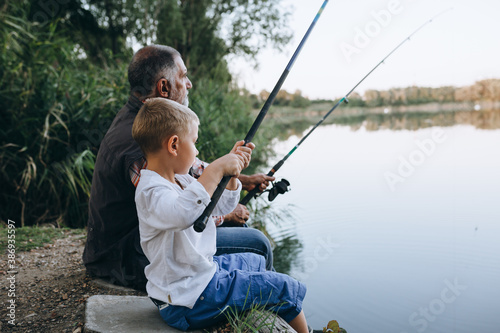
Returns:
(113,248)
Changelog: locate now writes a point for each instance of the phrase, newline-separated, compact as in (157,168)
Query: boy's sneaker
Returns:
(332,327)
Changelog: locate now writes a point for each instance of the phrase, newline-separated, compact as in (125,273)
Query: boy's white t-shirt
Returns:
(181,264)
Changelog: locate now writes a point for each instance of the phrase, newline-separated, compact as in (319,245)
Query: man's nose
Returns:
(189,85)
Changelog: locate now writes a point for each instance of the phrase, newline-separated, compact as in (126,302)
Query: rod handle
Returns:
(253,193)
(202,220)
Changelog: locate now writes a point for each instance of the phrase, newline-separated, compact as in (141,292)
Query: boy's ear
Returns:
(172,144)
(163,88)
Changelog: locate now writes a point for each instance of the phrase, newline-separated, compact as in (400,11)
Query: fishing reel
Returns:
(280,187)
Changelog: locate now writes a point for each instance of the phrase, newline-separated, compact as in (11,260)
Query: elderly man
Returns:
(113,249)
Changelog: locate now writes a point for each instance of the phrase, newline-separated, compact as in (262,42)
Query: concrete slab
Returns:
(122,314)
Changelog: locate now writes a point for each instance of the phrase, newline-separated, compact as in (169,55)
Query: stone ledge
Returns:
(138,314)
(122,314)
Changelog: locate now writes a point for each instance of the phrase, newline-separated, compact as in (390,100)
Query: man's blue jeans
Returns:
(238,239)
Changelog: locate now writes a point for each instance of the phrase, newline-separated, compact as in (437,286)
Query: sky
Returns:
(457,48)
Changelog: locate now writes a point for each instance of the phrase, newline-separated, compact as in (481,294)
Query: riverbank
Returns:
(49,288)
(293,121)
(319,109)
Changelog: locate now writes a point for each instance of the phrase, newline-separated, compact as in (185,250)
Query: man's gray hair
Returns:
(150,64)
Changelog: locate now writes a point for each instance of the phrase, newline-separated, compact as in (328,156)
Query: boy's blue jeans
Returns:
(237,240)
(239,282)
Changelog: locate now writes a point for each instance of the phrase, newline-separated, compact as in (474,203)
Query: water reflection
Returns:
(288,248)
(289,126)
(415,121)
(268,218)
(420,258)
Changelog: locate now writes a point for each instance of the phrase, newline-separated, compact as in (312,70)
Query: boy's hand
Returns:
(237,159)
(227,165)
(244,151)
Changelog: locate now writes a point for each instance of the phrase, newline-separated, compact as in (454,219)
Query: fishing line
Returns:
(282,186)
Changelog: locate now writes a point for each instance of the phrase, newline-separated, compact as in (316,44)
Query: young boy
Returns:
(189,284)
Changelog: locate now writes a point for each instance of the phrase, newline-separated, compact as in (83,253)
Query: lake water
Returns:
(394,230)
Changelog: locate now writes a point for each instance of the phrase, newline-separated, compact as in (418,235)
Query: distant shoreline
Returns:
(484,115)
(430,107)
(319,109)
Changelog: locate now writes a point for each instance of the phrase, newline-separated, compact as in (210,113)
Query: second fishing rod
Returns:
(281,187)
(201,222)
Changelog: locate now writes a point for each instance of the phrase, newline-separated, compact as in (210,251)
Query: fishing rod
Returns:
(201,222)
(282,186)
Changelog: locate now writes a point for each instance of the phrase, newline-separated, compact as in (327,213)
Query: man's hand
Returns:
(259,179)
(238,216)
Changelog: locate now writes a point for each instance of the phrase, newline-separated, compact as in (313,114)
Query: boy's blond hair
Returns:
(158,119)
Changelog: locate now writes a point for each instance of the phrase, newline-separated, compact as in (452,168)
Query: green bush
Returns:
(225,117)
(55,110)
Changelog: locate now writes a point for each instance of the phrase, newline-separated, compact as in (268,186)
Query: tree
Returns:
(355,100)
(299,101)
(373,98)
(204,31)
(207,31)
(98,28)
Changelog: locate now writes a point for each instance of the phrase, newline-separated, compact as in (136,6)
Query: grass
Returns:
(257,316)
(28,238)
(252,320)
